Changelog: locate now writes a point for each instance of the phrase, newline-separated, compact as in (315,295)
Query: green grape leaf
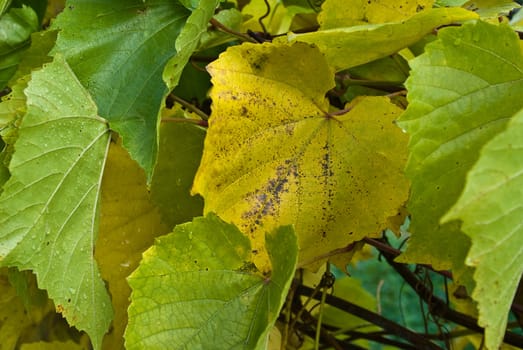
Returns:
(273,156)
(4,6)
(351,46)
(188,40)
(24,282)
(462,92)
(203,273)
(491,8)
(181,146)
(16,27)
(128,225)
(230,18)
(48,209)
(13,105)
(337,14)
(119,49)
(390,70)
(193,86)
(491,208)
(4,171)
(37,54)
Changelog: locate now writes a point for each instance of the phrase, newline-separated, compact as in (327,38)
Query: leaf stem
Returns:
(341,111)
(288,308)
(217,24)
(327,255)
(190,107)
(267,12)
(385,248)
(320,315)
(397,93)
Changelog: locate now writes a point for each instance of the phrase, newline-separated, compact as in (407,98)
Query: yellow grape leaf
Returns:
(54,345)
(272,156)
(13,317)
(19,316)
(336,14)
(128,225)
(346,47)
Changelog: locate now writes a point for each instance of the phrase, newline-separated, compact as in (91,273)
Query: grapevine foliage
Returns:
(201,174)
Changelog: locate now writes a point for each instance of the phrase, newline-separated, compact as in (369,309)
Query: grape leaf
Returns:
(13,105)
(128,224)
(230,18)
(119,50)
(16,27)
(180,152)
(48,209)
(390,70)
(337,14)
(4,171)
(4,6)
(37,54)
(491,208)
(491,8)
(351,46)
(13,316)
(462,92)
(197,288)
(26,287)
(54,345)
(193,86)
(272,156)
(188,40)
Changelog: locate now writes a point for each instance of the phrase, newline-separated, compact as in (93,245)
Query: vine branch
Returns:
(437,306)
(190,107)
(418,340)
(217,24)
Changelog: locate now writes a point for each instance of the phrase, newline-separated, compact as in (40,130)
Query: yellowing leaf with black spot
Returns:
(272,156)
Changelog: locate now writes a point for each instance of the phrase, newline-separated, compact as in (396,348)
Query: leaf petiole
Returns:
(218,25)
